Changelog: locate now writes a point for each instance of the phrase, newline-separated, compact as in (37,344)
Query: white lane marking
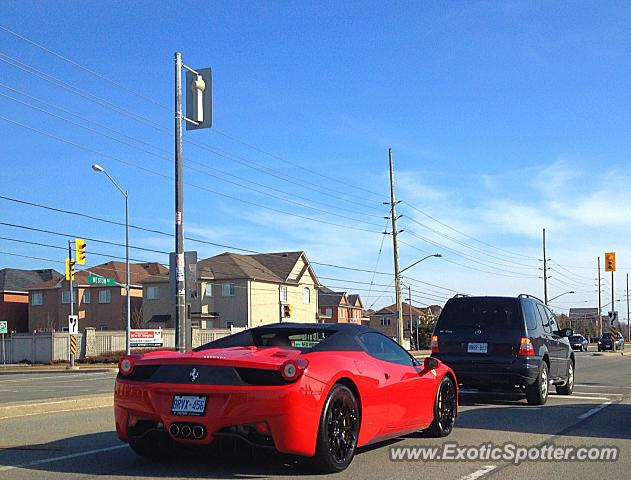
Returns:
(34,376)
(577,397)
(63,457)
(594,411)
(478,473)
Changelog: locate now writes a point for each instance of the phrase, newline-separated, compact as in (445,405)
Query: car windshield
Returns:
(500,313)
(303,339)
(576,338)
(606,336)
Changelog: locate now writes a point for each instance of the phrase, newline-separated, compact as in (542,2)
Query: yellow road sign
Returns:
(73,345)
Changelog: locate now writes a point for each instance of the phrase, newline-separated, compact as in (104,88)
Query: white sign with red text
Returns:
(146,338)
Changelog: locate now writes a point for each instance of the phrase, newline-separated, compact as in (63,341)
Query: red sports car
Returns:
(315,390)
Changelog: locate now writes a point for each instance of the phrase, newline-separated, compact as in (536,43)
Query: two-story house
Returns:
(252,290)
(102,307)
(385,319)
(14,285)
(339,307)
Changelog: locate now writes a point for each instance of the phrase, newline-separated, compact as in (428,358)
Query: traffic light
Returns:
(610,262)
(286,311)
(69,269)
(80,247)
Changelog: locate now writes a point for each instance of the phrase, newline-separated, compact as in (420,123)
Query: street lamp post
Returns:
(99,169)
(398,291)
(564,293)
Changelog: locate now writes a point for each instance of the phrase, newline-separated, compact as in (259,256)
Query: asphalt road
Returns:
(20,387)
(83,444)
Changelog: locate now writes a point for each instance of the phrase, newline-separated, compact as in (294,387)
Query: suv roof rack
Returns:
(527,295)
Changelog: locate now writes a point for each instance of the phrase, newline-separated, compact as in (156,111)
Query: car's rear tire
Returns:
(537,393)
(153,447)
(338,431)
(445,409)
(568,387)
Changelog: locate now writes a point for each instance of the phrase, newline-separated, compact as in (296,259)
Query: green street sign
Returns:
(102,281)
(3,326)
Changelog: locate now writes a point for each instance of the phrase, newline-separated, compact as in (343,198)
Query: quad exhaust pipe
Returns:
(187,430)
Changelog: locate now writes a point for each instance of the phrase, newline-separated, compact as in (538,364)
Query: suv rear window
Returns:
(494,312)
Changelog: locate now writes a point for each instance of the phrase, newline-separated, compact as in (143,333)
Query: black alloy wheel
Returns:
(338,431)
(445,409)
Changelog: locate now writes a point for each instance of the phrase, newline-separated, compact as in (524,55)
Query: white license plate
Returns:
(477,347)
(188,405)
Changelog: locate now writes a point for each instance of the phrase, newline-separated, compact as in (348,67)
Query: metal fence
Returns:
(47,347)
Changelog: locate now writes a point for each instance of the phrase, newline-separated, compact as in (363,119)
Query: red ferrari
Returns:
(314,390)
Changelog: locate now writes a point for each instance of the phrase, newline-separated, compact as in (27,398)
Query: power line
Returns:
(466,235)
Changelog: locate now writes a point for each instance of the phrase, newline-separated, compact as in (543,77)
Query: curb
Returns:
(39,407)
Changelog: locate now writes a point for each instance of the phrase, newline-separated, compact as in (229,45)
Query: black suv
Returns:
(493,342)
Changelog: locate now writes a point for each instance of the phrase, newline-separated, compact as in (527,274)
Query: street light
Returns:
(99,169)
(564,293)
(399,304)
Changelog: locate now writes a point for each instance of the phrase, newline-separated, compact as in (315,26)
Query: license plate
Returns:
(477,347)
(188,405)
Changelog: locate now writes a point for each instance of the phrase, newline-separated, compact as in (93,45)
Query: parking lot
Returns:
(83,444)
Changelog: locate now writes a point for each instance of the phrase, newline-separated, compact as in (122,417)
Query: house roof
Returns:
(269,267)
(391,309)
(330,298)
(16,280)
(116,270)
(156,279)
(355,300)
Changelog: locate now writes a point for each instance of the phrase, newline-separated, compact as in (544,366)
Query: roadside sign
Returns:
(102,281)
(614,331)
(73,324)
(73,345)
(146,338)
(3,327)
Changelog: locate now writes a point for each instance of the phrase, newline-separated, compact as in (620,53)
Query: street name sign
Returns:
(3,326)
(102,281)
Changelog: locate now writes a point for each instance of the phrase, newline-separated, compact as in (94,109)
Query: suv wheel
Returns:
(537,393)
(568,386)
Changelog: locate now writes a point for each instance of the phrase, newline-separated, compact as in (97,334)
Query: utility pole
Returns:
(600,317)
(613,312)
(628,321)
(180,287)
(71,296)
(395,247)
(198,115)
(545,270)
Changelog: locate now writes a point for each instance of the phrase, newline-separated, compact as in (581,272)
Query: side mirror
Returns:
(430,363)
(567,332)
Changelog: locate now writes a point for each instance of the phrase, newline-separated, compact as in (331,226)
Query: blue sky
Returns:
(504,118)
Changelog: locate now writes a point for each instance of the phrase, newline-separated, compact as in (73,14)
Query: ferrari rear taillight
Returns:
(434,344)
(126,365)
(291,370)
(526,349)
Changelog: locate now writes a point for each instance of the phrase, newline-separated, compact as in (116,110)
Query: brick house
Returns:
(14,285)
(158,305)
(385,320)
(339,307)
(100,307)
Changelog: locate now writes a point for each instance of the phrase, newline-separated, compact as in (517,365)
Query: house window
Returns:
(37,298)
(306,295)
(105,296)
(228,290)
(385,322)
(229,324)
(86,296)
(153,293)
(65,296)
(283,294)
(208,290)
(328,312)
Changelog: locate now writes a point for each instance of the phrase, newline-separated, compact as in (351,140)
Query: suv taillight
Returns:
(434,344)
(526,349)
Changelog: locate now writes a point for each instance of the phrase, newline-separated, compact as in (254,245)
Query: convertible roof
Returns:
(346,328)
